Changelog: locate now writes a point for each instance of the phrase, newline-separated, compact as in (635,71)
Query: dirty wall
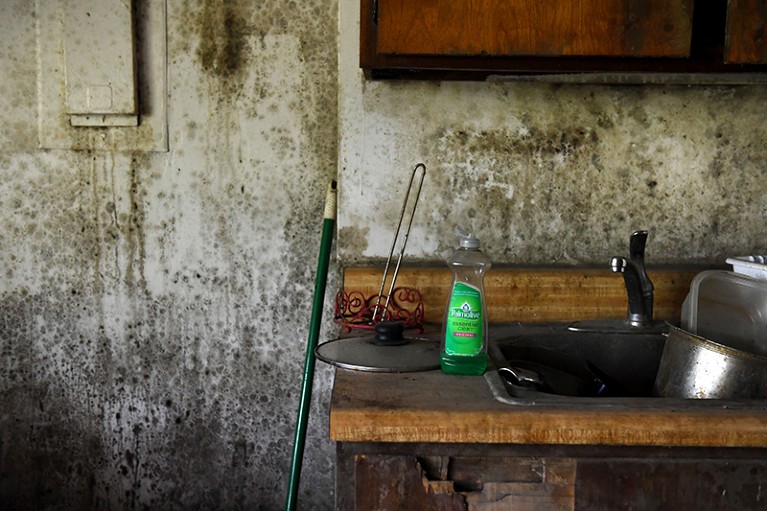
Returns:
(154,304)
(550,173)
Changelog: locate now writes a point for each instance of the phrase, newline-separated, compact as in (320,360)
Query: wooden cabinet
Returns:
(428,440)
(387,477)
(478,38)
(746,32)
(556,28)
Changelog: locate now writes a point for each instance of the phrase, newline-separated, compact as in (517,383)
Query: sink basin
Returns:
(575,364)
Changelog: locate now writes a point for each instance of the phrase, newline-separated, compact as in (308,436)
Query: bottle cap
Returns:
(468,240)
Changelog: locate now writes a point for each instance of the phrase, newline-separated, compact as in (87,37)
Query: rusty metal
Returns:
(354,310)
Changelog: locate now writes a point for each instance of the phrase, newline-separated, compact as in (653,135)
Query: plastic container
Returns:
(728,308)
(463,348)
(753,266)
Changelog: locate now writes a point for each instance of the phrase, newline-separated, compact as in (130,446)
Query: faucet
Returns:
(640,295)
(638,285)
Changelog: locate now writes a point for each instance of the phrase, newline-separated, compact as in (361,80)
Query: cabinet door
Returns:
(551,28)
(447,483)
(746,36)
(671,484)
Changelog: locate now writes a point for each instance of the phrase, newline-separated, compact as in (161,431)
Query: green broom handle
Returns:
(328,224)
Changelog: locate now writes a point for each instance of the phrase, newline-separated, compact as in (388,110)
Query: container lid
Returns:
(753,266)
(360,354)
(728,308)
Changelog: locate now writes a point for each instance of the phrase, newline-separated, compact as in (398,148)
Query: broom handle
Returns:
(314,333)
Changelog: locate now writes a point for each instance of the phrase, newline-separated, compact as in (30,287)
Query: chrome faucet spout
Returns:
(639,287)
(640,292)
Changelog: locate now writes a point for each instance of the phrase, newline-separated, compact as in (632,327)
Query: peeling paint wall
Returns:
(551,173)
(155,305)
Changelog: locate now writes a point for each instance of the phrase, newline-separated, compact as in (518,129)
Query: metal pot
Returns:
(694,367)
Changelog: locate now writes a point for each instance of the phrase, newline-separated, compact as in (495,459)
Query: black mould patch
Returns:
(527,142)
(354,240)
(116,396)
(222,30)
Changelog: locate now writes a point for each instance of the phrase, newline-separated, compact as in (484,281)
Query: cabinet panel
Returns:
(746,36)
(384,482)
(634,28)
(399,483)
(489,477)
(604,41)
(671,484)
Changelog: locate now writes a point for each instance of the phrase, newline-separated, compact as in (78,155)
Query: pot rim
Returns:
(713,345)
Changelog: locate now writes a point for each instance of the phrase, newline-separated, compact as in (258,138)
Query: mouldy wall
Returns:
(551,174)
(154,306)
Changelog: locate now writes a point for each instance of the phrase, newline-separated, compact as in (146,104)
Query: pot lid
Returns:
(360,354)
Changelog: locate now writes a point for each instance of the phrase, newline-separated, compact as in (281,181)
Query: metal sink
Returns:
(613,370)
(605,362)
(574,365)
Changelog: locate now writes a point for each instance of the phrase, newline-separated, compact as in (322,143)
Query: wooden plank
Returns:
(536,294)
(387,482)
(435,407)
(746,33)
(671,484)
(635,28)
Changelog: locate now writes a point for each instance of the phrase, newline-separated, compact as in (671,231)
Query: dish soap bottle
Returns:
(464,329)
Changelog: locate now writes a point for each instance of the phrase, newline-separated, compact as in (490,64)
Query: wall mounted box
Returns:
(99,60)
(96,98)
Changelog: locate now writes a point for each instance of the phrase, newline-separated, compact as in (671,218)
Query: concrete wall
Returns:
(155,305)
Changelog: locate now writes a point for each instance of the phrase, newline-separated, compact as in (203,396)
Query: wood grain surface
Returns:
(746,32)
(536,294)
(435,407)
(621,28)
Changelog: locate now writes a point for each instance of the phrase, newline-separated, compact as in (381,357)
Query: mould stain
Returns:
(136,235)
(222,31)
(122,397)
(354,240)
(547,181)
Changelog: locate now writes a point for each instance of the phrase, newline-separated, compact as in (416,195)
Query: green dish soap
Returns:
(464,329)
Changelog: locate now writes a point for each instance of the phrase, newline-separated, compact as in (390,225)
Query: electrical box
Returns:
(102,75)
(99,59)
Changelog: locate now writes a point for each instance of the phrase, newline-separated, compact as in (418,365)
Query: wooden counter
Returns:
(435,407)
(429,440)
